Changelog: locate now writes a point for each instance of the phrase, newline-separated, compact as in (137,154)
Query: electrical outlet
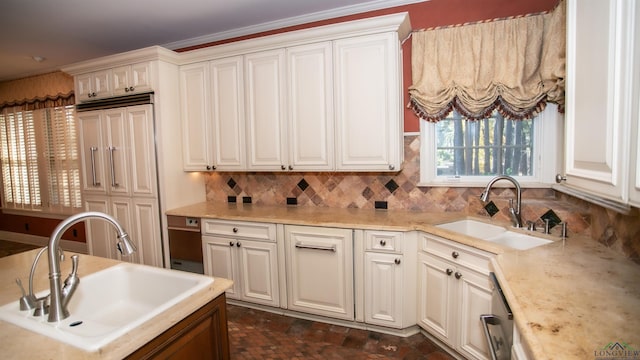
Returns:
(192,222)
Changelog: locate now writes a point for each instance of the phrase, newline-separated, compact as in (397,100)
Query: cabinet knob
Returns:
(560,178)
(449,272)
(455,254)
(238,244)
(397,261)
(290,167)
(231,243)
(282,167)
(391,167)
(458,275)
(126,89)
(94,94)
(235,230)
(208,167)
(383,243)
(131,88)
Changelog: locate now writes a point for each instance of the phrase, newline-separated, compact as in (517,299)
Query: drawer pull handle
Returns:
(331,248)
(235,230)
(449,272)
(458,275)
(383,243)
(397,261)
(238,244)
(231,243)
(455,254)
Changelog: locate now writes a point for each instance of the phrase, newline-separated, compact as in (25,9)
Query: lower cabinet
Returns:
(453,292)
(319,271)
(201,335)
(235,253)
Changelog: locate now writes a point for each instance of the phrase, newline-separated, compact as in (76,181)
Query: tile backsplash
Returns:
(400,191)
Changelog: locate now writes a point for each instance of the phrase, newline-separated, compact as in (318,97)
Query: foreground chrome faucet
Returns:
(515,213)
(60,296)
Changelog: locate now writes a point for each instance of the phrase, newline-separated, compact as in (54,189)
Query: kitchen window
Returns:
(457,151)
(40,160)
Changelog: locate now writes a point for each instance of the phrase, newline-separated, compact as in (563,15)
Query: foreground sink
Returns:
(494,233)
(110,303)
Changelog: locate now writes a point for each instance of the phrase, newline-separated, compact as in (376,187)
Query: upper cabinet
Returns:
(121,80)
(322,99)
(601,100)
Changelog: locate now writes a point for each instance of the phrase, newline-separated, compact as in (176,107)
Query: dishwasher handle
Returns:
(331,248)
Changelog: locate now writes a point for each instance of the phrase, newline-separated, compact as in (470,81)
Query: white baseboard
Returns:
(72,246)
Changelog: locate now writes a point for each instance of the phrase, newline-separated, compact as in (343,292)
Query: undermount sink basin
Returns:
(494,233)
(110,303)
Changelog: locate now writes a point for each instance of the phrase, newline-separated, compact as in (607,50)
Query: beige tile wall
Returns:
(399,190)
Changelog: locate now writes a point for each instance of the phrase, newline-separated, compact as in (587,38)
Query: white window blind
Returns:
(40,160)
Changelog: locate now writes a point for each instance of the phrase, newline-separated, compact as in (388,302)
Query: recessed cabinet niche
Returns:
(322,99)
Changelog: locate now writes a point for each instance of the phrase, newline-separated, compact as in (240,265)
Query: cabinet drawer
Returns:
(243,229)
(383,241)
(456,253)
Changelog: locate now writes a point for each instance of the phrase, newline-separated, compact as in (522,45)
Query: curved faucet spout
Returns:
(517,220)
(57,307)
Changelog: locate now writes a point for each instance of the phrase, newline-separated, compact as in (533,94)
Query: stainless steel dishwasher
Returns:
(185,244)
(498,326)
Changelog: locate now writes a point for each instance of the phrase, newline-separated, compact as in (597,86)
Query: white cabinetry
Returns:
(212,107)
(599,96)
(246,253)
(313,100)
(130,79)
(634,186)
(265,111)
(320,271)
(93,85)
(310,95)
(389,278)
(119,178)
(369,111)
(454,291)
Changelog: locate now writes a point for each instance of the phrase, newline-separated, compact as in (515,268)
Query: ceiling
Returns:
(67,31)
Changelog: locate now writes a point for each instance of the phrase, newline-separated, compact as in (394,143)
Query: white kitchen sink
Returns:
(109,303)
(494,233)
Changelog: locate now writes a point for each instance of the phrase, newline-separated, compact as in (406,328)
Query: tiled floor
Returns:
(256,334)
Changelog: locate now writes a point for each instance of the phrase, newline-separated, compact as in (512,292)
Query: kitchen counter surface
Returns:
(19,343)
(569,299)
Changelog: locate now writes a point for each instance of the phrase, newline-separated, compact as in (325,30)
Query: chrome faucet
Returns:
(515,213)
(59,296)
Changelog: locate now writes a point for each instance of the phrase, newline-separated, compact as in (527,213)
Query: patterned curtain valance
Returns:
(38,92)
(514,66)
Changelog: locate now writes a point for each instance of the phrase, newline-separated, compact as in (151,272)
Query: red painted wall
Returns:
(425,15)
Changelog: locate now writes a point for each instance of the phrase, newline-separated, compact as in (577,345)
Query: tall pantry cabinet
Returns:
(130,155)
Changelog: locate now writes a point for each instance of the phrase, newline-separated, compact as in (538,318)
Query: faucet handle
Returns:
(531,225)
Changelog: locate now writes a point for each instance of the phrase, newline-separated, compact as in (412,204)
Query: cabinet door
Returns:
(92,153)
(634,184)
(436,297)
(121,77)
(310,106)
(227,113)
(328,292)
(383,289)
(100,235)
(265,111)
(258,272)
(101,83)
(220,261)
(598,87)
(121,209)
(368,103)
(83,88)
(129,79)
(142,150)
(147,231)
(116,152)
(475,300)
(194,111)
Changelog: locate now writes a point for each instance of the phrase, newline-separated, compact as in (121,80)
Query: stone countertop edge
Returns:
(562,294)
(17,342)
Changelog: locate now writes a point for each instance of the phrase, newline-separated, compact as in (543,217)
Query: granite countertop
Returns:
(19,343)
(569,298)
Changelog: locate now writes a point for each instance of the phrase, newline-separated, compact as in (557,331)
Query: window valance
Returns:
(515,66)
(38,92)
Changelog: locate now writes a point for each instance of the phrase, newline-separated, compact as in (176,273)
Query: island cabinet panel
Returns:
(202,335)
